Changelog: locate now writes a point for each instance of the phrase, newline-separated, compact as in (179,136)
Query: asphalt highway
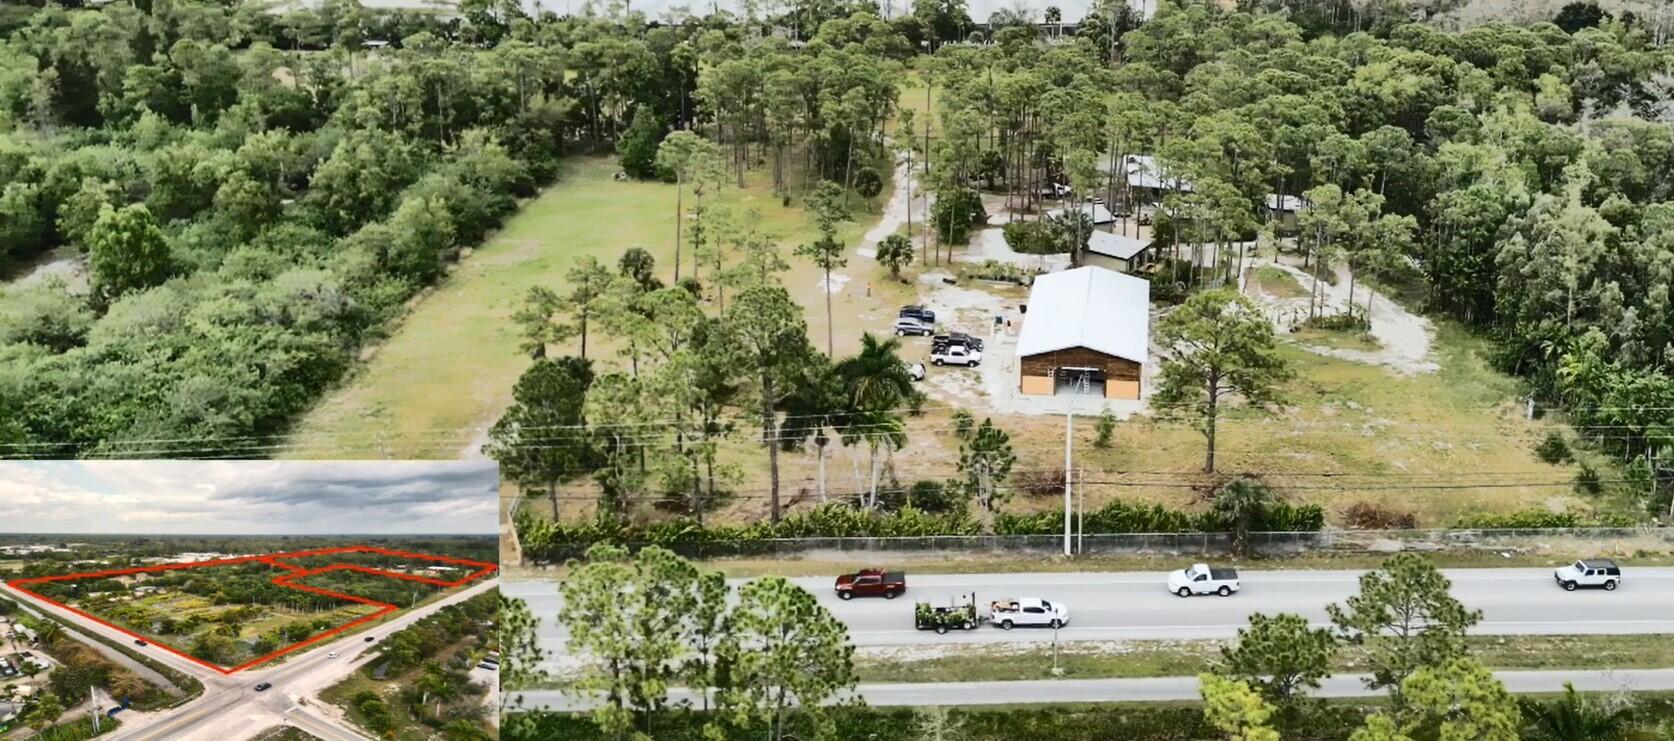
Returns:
(1136,605)
(1161,689)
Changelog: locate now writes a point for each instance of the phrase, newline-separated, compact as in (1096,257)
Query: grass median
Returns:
(1133,659)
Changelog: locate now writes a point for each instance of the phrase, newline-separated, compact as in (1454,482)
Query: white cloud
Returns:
(227,497)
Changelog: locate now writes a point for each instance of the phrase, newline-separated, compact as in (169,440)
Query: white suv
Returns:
(1592,572)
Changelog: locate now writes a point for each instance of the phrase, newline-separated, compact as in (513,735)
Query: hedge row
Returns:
(544,540)
(1540,519)
(1328,721)
(1121,517)
(1138,722)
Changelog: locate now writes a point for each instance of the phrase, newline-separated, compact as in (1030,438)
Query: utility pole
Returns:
(1069,422)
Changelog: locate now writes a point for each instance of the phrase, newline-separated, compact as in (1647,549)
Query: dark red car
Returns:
(872,583)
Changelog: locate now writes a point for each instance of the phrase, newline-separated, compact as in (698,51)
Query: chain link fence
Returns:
(1601,540)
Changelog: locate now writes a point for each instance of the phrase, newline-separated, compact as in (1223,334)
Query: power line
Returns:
(1230,416)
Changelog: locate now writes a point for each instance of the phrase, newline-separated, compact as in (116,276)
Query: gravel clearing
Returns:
(1404,336)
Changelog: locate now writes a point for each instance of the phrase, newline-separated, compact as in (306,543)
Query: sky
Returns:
(249,497)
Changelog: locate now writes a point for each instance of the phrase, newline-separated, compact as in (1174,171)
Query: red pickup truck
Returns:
(872,583)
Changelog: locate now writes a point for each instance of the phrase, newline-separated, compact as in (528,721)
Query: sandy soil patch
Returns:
(1405,337)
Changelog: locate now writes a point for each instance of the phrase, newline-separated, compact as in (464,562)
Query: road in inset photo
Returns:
(231,600)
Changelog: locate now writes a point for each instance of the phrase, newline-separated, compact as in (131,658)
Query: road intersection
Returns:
(230,708)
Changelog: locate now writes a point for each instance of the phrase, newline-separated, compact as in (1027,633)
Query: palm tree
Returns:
(894,251)
(875,387)
(1240,503)
(436,683)
(815,407)
(1573,717)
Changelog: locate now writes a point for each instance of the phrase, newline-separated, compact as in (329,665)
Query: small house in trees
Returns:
(1086,330)
(1149,181)
(1096,211)
(1283,210)
(1116,252)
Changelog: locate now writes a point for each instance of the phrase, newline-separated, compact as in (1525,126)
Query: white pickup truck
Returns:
(1200,579)
(1031,612)
(956,355)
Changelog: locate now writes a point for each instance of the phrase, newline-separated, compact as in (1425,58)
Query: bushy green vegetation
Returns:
(419,684)
(1540,518)
(82,667)
(773,658)
(1334,721)
(545,540)
(251,212)
(408,647)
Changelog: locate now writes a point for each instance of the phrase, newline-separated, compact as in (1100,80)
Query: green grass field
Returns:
(1340,339)
(1412,443)
(448,368)
(1278,283)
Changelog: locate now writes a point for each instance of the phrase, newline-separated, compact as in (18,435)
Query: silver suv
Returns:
(1589,572)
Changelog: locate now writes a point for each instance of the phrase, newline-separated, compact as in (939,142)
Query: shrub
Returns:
(548,541)
(1553,449)
(1105,429)
(1368,516)
(1536,519)
(1032,238)
(1587,481)
(963,424)
(932,497)
(867,182)
(1350,322)
(1001,271)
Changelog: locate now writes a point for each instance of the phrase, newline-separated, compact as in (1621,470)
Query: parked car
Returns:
(943,619)
(909,326)
(918,312)
(1030,612)
(915,371)
(263,687)
(955,338)
(871,583)
(956,355)
(1200,579)
(1589,572)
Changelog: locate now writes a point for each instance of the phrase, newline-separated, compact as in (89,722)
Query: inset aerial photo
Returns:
(232,600)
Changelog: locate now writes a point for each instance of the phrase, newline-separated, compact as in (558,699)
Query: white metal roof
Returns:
(1144,172)
(1290,203)
(1119,246)
(1091,307)
(1097,211)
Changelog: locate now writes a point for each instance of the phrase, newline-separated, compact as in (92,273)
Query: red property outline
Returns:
(287,580)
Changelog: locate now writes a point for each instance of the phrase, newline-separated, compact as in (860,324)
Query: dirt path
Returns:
(1404,337)
(895,211)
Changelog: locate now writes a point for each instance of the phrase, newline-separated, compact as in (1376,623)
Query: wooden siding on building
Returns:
(1043,364)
